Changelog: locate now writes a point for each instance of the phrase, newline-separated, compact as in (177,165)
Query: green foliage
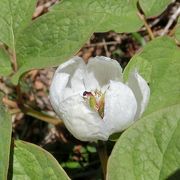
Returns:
(153,7)
(32,162)
(177,32)
(5,68)
(15,16)
(150,148)
(159,64)
(59,34)
(56,36)
(5,141)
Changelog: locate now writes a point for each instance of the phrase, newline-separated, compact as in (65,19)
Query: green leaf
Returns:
(15,16)
(33,163)
(154,7)
(177,32)
(59,34)
(159,64)
(5,65)
(5,140)
(150,149)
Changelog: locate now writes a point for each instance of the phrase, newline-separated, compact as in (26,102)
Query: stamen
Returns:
(95,100)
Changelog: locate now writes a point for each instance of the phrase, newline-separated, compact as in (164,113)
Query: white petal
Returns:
(120,107)
(57,88)
(141,91)
(77,79)
(68,75)
(84,123)
(100,70)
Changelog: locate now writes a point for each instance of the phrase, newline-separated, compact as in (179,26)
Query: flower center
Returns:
(96,101)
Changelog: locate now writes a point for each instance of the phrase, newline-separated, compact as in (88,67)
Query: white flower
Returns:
(92,99)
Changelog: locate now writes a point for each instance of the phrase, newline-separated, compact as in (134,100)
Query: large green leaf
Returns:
(153,7)
(150,149)
(5,64)
(15,15)
(177,32)
(33,163)
(59,34)
(5,140)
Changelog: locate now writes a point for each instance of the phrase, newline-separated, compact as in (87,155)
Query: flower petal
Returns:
(57,87)
(141,91)
(84,123)
(100,70)
(120,107)
(68,77)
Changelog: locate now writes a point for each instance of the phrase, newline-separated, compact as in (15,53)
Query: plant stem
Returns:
(31,112)
(102,151)
(14,62)
(42,117)
(142,17)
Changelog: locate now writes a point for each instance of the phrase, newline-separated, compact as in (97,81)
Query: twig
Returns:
(156,21)
(170,22)
(102,44)
(9,103)
(142,17)
(105,48)
(40,8)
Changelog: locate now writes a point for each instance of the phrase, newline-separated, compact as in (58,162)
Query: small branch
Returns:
(142,17)
(102,44)
(102,151)
(151,24)
(9,103)
(105,48)
(40,8)
(170,22)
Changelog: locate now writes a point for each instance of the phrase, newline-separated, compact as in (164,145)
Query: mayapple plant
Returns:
(94,99)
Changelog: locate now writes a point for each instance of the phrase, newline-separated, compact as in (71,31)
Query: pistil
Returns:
(96,101)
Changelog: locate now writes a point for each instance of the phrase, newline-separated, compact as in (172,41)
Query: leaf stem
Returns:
(42,116)
(14,61)
(102,151)
(142,17)
(31,112)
